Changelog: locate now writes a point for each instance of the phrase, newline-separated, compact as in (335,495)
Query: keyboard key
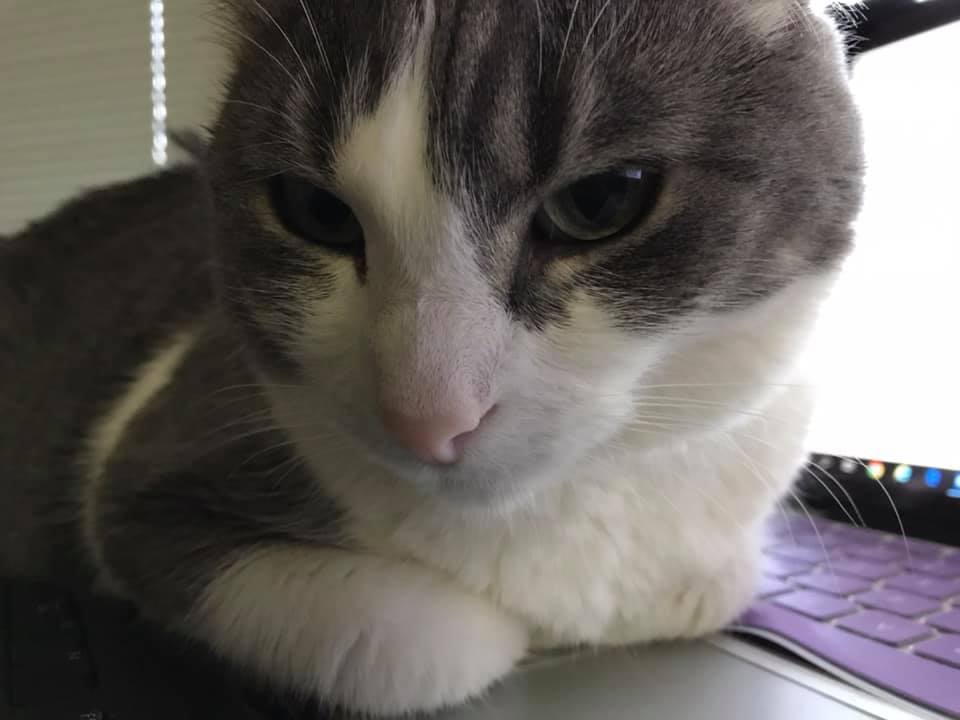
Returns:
(865,569)
(931,587)
(816,605)
(897,602)
(948,567)
(945,649)
(833,584)
(771,586)
(797,552)
(885,552)
(782,568)
(48,714)
(934,684)
(885,628)
(948,621)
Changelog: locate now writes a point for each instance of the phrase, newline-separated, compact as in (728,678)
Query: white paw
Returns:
(365,633)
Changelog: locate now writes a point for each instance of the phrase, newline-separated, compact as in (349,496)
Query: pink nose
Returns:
(437,439)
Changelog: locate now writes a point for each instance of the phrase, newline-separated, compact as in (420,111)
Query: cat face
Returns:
(467,239)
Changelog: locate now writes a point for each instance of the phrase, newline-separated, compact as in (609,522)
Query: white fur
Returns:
(632,535)
(425,294)
(155,374)
(648,536)
(372,634)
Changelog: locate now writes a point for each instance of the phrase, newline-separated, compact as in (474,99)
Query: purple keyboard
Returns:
(866,606)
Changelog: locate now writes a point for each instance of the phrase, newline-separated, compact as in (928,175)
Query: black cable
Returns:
(881,22)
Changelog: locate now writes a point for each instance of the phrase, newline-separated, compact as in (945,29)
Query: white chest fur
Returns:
(633,548)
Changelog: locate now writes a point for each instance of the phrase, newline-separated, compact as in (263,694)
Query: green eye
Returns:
(599,207)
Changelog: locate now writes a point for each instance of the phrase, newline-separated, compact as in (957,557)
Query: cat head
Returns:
(471,239)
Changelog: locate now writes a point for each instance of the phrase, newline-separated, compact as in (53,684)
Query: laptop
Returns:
(858,615)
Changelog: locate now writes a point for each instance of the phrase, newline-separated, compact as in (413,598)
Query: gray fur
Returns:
(757,137)
(85,295)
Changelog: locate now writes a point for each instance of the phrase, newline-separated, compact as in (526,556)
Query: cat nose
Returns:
(437,439)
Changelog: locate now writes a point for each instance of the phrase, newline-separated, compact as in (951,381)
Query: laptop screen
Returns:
(887,358)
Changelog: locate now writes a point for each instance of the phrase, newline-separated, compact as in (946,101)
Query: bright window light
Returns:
(887,360)
(158,71)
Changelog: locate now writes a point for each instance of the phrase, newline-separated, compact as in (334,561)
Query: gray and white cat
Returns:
(475,332)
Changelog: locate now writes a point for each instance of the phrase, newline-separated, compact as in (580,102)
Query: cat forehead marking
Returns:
(415,233)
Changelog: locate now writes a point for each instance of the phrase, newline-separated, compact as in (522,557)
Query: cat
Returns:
(474,332)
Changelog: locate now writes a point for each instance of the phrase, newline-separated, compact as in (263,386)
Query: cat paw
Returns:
(361,633)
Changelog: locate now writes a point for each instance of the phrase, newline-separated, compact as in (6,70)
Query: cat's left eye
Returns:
(599,207)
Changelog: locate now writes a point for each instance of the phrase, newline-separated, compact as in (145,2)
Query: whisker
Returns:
(262,108)
(539,9)
(306,70)
(566,39)
(720,385)
(593,28)
(816,530)
(692,404)
(844,490)
(324,58)
(830,492)
(799,501)
(755,469)
(266,52)
(893,505)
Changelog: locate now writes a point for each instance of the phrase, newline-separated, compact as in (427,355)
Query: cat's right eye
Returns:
(315,215)
(599,207)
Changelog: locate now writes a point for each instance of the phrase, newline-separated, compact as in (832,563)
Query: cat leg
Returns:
(363,632)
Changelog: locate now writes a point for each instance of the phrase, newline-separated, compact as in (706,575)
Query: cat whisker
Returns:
(893,505)
(799,501)
(617,33)
(751,465)
(292,465)
(259,386)
(684,404)
(843,489)
(303,65)
(666,430)
(262,108)
(288,443)
(540,40)
(258,417)
(592,30)
(566,39)
(321,50)
(268,144)
(805,469)
(711,386)
(265,51)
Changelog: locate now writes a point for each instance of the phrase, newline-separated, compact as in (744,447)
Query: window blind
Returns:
(75,106)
